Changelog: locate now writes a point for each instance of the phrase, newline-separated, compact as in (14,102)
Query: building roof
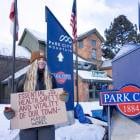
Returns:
(40,36)
(6,65)
(80,59)
(88,76)
(18,73)
(21,60)
(35,34)
(90,32)
(106,63)
(125,50)
(43,36)
(7,49)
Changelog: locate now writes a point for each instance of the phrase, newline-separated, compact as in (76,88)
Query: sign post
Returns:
(109,122)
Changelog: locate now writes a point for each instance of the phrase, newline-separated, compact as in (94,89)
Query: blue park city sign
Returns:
(127,100)
(60,56)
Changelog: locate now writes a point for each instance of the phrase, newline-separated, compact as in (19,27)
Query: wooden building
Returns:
(92,79)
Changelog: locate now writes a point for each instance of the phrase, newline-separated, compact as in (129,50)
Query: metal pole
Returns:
(14,45)
(76,50)
(77,85)
(109,123)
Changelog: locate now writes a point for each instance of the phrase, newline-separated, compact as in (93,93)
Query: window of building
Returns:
(80,44)
(93,43)
(93,54)
(91,91)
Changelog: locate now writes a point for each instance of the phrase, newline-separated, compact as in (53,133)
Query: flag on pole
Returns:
(73,21)
(12,18)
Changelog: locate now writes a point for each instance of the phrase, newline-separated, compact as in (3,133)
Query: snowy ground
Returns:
(77,131)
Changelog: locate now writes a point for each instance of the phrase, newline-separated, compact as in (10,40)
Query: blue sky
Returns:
(91,14)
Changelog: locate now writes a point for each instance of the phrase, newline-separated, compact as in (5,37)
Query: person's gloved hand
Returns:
(9,113)
(64,96)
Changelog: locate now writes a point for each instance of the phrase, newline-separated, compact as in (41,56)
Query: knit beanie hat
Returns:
(36,55)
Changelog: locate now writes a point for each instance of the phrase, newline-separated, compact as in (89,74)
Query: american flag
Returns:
(12,17)
(73,21)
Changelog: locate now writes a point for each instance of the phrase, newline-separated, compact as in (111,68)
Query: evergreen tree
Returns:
(120,32)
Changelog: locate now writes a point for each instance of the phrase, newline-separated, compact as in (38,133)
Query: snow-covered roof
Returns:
(7,49)
(18,73)
(126,49)
(90,32)
(39,35)
(106,63)
(80,59)
(88,75)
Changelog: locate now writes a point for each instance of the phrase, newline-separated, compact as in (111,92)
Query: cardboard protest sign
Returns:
(37,108)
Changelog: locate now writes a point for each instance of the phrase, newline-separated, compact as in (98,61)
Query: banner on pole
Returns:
(59,52)
(37,108)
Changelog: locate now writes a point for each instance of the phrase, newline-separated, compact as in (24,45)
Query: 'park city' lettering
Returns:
(121,97)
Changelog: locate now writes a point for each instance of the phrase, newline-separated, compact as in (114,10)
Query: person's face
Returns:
(41,63)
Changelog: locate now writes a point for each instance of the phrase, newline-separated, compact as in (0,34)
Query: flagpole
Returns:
(73,23)
(77,81)
(76,49)
(14,46)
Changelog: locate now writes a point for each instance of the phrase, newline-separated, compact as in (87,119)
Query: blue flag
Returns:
(60,56)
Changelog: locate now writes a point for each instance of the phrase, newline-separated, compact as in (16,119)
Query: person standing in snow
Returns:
(37,78)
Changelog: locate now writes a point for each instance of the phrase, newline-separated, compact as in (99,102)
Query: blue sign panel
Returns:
(60,56)
(127,100)
(116,97)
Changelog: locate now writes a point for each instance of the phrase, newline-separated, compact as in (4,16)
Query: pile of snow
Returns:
(77,131)
(7,49)
(80,131)
(120,124)
(5,132)
(89,106)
